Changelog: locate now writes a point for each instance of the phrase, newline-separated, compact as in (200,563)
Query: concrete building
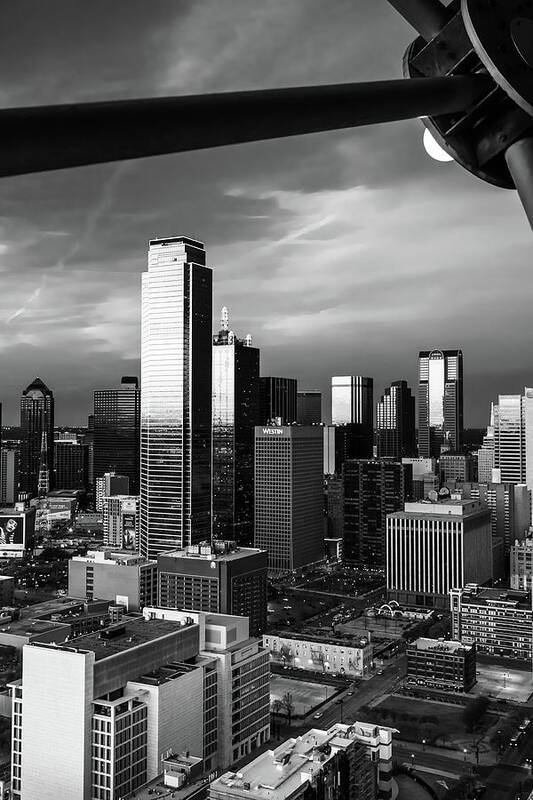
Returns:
(445,665)
(182,778)
(509,439)
(123,577)
(329,449)
(109,485)
(433,546)
(342,762)
(243,672)
(458,467)
(289,515)
(521,567)
(339,654)
(334,506)
(497,621)
(217,577)
(485,454)
(79,729)
(121,521)
(509,505)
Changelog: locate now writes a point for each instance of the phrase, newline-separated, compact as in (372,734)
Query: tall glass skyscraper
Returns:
(277,400)
(36,419)
(175,505)
(117,431)
(235,414)
(309,407)
(352,412)
(440,401)
(395,422)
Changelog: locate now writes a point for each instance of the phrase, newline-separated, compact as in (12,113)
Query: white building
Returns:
(521,568)
(343,655)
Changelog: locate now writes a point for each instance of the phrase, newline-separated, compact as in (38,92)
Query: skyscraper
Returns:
(176,361)
(235,414)
(289,514)
(352,400)
(485,454)
(395,422)
(440,401)
(277,400)
(71,461)
(36,419)
(117,431)
(309,407)
(510,439)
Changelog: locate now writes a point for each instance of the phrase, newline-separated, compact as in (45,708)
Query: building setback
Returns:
(440,401)
(372,489)
(450,666)
(289,515)
(117,431)
(433,546)
(217,577)
(235,414)
(176,363)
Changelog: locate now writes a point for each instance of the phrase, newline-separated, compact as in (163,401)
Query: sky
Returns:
(341,253)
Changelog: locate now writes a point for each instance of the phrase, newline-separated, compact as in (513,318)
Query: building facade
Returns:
(71,465)
(9,475)
(445,665)
(121,521)
(509,439)
(309,407)
(435,546)
(521,566)
(37,432)
(124,578)
(289,515)
(372,489)
(176,362)
(339,655)
(440,401)
(509,505)
(217,577)
(277,400)
(235,409)
(109,485)
(117,431)
(458,467)
(395,422)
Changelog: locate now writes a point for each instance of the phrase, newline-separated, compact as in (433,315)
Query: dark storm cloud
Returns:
(342,252)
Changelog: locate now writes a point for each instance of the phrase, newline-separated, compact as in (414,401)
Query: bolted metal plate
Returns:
(500,33)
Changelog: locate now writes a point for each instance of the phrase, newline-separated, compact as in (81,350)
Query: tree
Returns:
(288,705)
(474,712)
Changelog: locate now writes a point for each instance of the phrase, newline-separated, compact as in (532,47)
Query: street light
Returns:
(465,751)
(505,676)
(412,760)
(424,745)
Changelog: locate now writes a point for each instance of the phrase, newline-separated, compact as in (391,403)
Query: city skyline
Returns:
(271,212)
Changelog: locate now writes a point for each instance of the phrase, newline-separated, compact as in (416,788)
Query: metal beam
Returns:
(519,158)
(55,137)
(427,17)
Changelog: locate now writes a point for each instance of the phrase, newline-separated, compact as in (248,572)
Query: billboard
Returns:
(128,531)
(12,533)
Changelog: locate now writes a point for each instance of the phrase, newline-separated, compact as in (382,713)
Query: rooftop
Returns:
(62,605)
(441,508)
(131,632)
(441,646)
(217,550)
(346,640)
(33,627)
(168,672)
(472,594)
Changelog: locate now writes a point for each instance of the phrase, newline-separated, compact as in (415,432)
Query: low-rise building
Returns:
(497,621)
(182,778)
(339,654)
(122,577)
(521,567)
(342,762)
(439,664)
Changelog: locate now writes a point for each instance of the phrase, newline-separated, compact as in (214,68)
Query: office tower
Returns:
(89,725)
(289,495)
(218,577)
(485,454)
(329,449)
(436,546)
(372,489)
(395,422)
(521,565)
(117,432)
(425,476)
(36,418)
(334,506)
(9,475)
(235,413)
(498,621)
(243,681)
(510,439)
(88,439)
(352,440)
(509,505)
(110,485)
(71,462)
(352,400)
(346,761)
(440,401)
(309,407)
(277,400)
(176,364)
(121,521)
(126,579)
(458,467)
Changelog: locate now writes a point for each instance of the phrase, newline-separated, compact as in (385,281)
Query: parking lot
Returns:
(503,682)
(305,695)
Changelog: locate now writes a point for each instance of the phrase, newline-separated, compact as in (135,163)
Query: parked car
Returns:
(318,715)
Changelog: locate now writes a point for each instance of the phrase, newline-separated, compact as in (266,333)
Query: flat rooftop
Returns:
(128,634)
(441,508)
(206,554)
(346,640)
(31,627)
(166,673)
(513,598)
(62,605)
(437,646)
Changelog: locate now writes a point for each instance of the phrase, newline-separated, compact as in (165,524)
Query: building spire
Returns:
(224,319)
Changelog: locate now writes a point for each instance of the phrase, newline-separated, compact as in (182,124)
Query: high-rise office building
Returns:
(289,514)
(36,419)
(436,546)
(121,521)
(309,407)
(352,400)
(235,411)
(9,475)
(117,432)
(372,489)
(218,577)
(395,422)
(71,462)
(176,361)
(521,565)
(485,454)
(277,400)
(509,505)
(440,401)
(510,439)
(110,485)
